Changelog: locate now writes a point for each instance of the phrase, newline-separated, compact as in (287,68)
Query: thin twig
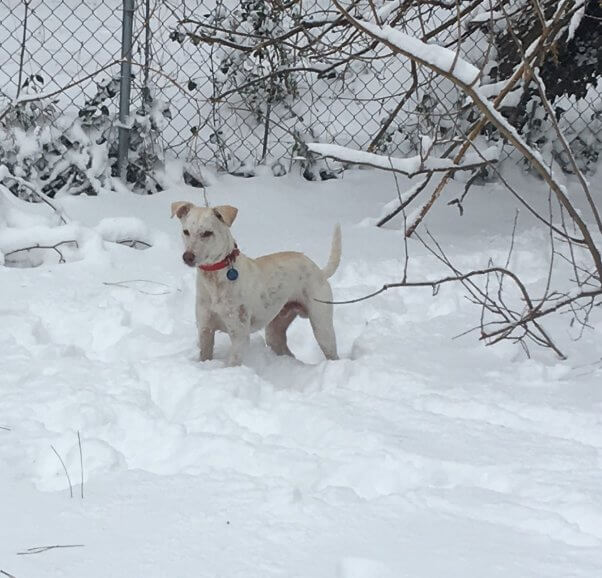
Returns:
(81,463)
(133,242)
(65,470)
(23,44)
(40,549)
(137,281)
(436,283)
(406,254)
(385,125)
(123,285)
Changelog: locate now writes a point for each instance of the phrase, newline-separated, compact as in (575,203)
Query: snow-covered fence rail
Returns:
(235,83)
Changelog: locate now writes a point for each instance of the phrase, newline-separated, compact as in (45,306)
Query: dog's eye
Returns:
(186,232)
(206,234)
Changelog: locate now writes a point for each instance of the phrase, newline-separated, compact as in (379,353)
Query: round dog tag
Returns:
(232,274)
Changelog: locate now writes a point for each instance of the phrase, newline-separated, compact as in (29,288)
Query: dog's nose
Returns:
(188,258)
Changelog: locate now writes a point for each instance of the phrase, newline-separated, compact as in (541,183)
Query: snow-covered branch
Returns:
(410,166)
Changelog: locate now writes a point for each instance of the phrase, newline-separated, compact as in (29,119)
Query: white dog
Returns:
(239,295)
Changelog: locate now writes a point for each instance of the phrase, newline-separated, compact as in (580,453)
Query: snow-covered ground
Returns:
(415,455)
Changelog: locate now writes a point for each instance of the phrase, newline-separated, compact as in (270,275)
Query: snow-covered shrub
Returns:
(40,146)
(59,154)
(98,117)
(254,71)
(570,73)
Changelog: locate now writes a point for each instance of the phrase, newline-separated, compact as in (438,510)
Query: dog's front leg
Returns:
(206,329)
(240,344)
(239,332)
(206,342)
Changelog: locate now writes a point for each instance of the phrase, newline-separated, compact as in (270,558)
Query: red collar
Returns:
(225,262)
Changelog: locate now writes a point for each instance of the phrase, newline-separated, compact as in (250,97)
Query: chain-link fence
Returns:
(45,45)
(226,104)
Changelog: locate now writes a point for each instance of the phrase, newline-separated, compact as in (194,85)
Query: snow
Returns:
(414,455)
(120,229)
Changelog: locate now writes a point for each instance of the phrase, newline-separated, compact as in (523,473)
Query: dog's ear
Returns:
(226,213)
(180,209)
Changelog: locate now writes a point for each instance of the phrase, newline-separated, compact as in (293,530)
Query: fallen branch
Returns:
(38,246)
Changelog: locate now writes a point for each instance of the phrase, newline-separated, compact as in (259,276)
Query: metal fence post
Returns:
(127,27)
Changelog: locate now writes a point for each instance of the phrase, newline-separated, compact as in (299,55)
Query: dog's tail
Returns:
(335,254)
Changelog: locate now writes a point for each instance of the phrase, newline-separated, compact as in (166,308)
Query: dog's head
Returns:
(206,232)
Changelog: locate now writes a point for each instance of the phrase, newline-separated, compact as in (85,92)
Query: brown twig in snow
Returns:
(40,549)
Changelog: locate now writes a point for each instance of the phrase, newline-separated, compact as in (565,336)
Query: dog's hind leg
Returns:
(323,329)
(320,317)
(275,332)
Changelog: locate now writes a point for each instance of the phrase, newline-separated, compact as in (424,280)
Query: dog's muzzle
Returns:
(188,258)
